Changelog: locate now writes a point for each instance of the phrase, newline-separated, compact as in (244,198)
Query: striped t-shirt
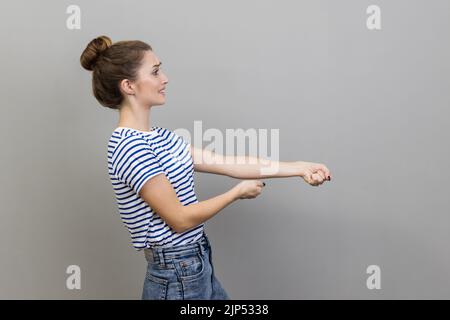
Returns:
(136,156)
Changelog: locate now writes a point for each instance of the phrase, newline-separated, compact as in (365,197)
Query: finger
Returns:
(321,177)
(327,173)
(316,168)
(324,174)
(317,178)
(324,169)
(312,178)
(321,173)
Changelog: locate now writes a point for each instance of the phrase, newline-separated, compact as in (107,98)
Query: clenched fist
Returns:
(249,189)
(313,173)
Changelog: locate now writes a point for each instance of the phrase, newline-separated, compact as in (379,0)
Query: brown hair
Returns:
(111,63)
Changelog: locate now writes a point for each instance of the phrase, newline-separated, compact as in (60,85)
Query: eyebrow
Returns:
(157,65)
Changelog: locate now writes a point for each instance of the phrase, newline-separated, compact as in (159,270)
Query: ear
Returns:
(127,87)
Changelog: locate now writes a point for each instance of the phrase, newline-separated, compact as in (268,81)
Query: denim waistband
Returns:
(165,254)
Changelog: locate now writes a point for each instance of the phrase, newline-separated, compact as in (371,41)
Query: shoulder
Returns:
(130,142)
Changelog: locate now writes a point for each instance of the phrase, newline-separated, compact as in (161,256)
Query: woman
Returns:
(152,173)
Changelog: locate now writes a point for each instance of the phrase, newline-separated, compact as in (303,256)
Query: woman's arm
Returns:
(249,167)
(161,197)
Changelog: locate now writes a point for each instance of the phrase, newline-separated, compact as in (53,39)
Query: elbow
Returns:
(179,228)
(182,223)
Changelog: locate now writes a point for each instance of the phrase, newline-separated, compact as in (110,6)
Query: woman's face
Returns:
(151,80)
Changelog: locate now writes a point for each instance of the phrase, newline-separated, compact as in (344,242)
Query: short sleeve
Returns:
(182,139)
(134,163)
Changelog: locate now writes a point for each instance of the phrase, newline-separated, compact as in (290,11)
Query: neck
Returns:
(134,117)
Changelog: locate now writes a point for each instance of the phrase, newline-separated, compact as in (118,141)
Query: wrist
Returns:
(299,168)
(234,193)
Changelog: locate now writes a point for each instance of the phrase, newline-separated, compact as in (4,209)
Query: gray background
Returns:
(371,105)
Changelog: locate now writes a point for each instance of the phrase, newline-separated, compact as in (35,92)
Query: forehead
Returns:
(150,59)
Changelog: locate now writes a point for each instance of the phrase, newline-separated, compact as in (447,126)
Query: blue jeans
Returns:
(183,272)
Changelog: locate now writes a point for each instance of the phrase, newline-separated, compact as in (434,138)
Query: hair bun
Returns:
(93,50)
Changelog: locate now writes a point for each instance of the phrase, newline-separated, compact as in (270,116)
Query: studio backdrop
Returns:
(360,86)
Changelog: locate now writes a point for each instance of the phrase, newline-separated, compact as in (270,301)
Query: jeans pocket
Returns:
(155,288)
(190,267)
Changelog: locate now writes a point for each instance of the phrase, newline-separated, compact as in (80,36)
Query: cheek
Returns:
(147,86)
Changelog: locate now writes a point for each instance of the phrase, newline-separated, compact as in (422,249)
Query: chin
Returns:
(158,103)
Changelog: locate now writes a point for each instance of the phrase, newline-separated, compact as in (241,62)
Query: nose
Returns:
(166,79)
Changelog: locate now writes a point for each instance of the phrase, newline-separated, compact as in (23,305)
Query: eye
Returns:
(156,72)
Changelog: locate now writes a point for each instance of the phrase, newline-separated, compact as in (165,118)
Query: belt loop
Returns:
(200,246)
(161,257)
(207,241)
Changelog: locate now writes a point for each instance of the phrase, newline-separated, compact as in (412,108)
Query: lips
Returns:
(163,91)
